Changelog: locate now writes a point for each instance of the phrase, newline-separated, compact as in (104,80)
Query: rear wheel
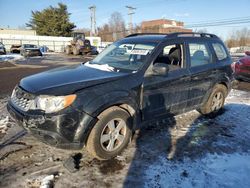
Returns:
(111,134)
(68,50)
(76,50)
(215,101)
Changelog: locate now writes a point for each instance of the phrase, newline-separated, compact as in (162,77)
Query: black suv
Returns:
(100,103)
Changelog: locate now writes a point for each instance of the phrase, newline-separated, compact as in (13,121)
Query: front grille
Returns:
(21,99)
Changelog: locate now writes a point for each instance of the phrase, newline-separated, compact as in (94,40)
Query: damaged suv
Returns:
(99,104)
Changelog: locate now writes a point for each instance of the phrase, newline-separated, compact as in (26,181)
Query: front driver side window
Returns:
(172,56)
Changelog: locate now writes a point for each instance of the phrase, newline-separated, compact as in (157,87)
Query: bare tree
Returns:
(137,28)
(105,33)
(239,38)
(117,26)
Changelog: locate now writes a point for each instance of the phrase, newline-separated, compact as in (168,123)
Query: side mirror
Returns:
(160,69)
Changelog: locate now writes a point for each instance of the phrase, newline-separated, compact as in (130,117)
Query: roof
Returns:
(145,37)
(159,37)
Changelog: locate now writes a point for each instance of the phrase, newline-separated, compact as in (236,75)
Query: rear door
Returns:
(202,70)
(223,62)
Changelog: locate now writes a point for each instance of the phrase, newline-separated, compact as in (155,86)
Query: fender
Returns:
(225,80)
(96,106)
(222,79)
(117,98)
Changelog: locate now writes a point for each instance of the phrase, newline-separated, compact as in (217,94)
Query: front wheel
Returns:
(111,134)
(215,101)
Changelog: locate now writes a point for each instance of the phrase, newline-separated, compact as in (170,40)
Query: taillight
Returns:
(233,66)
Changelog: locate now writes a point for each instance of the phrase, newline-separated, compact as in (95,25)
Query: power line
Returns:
(225,19)
(219,23)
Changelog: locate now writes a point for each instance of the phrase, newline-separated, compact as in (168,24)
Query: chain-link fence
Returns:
(55,46)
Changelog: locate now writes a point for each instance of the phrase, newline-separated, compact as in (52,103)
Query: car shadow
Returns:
(175,140)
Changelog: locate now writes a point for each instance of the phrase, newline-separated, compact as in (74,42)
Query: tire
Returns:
(68,50)
(76,50)
(103,142)
(215,102)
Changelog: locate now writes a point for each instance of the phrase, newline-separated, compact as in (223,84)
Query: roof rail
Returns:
(191,34)
(177,34)
(138,34)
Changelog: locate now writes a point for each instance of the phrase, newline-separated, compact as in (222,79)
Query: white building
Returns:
(57,44)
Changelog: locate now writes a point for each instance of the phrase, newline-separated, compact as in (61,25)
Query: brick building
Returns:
(163,26)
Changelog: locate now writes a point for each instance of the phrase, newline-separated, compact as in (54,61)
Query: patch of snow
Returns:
(47,182)
(230,169)
(10,57)
(212,171)
(104,67)
(4,124)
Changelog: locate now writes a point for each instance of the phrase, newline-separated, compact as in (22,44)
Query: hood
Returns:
(67,80)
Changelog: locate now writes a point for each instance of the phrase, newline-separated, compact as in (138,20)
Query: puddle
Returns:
(110,166)
(72,164)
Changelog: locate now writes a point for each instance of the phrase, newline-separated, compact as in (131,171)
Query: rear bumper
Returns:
(33,53)
(68,130)
(242,76)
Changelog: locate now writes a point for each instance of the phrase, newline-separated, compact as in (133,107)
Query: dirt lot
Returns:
(188,150)
(11,73)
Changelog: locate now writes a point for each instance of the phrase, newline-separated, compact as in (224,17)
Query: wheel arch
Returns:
(122,100)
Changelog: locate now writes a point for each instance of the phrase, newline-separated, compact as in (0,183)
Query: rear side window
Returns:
(199,54)
(219,51)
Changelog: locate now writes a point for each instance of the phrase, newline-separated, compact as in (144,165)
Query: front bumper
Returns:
(33,53)
(67,130)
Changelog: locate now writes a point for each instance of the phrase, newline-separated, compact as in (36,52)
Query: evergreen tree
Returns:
(52,21)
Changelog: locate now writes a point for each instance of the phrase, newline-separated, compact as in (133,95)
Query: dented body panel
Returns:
(145,96)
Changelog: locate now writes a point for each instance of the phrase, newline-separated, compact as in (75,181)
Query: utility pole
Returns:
(130,13)
(92,21)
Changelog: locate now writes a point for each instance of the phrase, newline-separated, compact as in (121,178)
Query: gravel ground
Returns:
(188,150)
(12,72)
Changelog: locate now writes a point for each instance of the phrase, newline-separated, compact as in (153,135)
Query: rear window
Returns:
(220,51)
(199,54)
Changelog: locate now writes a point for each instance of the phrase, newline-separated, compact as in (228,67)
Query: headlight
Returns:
(51,104)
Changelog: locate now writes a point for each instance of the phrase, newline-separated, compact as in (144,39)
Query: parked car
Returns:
(94,50)
(30,50)
(2,49)
(100,48)
(100,104)
(242,68)
(15,48)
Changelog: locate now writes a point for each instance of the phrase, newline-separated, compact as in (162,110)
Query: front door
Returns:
(167,94)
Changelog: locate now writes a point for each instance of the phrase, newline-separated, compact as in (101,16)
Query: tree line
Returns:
(54,21)
(238,38)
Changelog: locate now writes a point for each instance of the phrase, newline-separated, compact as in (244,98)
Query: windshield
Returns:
(123,56)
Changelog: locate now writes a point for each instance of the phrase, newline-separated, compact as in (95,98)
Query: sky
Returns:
(15,13)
